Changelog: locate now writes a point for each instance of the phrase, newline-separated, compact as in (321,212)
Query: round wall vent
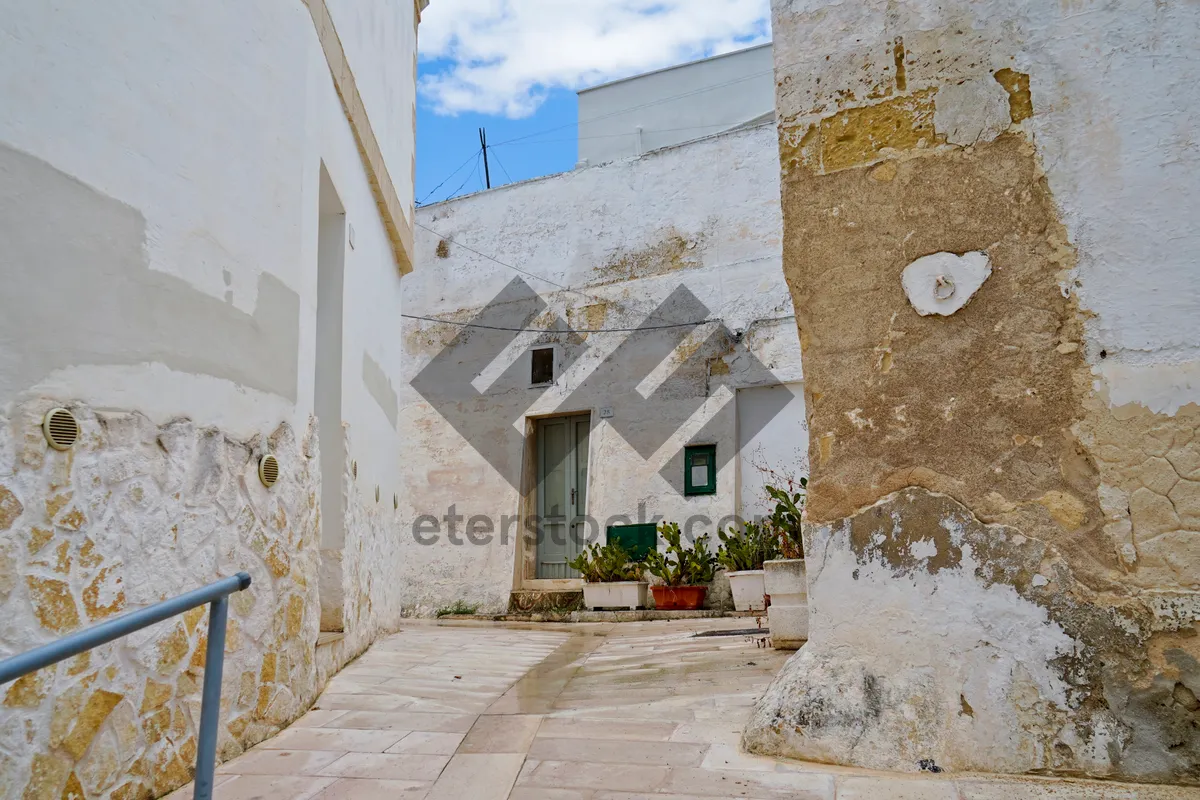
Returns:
(268,470)
(61,429)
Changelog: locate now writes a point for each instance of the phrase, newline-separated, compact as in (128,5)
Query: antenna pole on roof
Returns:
(487,175)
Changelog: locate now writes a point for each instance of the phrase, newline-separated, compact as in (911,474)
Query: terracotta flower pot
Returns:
(678,598)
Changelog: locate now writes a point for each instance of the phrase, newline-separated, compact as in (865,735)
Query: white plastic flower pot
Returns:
(624,594)
(786,583)
(748,588)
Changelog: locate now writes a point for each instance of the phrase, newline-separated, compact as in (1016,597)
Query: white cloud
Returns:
(503,56)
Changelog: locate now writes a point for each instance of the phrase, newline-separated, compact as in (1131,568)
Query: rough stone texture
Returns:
(983,655)
(1002,548)
(133,514)
(373,551)
(894,393)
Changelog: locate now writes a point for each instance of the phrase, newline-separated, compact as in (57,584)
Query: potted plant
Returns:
(785,579)
(684,571)
(611,578)
(742,554)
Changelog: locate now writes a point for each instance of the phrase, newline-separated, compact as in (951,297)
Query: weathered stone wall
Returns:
(372,557)
(160,201)
(681,234)
(1002,525)
(133,514)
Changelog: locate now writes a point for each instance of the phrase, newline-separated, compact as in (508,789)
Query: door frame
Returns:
(525,560)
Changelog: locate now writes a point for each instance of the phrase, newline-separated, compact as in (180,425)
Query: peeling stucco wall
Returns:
(703,217)
(159,185)
(1008,488)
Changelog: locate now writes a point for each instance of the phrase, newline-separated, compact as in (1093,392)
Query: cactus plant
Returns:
(681,565)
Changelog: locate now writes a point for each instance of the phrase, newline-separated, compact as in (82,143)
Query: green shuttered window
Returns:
(700,469)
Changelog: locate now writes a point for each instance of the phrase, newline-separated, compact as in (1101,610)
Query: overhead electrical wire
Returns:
(587,330)
(693,323)
(619,135)
(473,173)
(560,330)
(534,275)
(502,167)
(448,177)
(620,111)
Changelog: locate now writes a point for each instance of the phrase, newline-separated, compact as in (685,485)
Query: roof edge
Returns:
(675,66)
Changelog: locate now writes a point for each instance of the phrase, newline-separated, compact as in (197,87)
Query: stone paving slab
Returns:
(637,711)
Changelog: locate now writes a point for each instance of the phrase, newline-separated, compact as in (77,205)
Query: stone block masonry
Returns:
(1002,549)
(133,514)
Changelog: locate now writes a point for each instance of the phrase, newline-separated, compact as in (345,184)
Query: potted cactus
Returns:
(685,571)
(611,578)
(742,554)
(785,579)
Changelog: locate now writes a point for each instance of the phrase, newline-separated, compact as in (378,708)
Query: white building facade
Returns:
(206,213)
(653,287)
(628,117)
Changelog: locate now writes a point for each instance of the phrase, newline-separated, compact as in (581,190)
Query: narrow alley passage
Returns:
(602,711)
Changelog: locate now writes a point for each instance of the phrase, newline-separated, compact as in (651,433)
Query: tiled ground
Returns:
(582,712)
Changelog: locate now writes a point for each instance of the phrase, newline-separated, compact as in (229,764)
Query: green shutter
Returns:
(638,540)
(700,469)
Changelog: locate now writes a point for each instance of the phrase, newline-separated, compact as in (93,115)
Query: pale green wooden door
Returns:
(562,493)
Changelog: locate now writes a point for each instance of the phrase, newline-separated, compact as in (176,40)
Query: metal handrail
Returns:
(217,596)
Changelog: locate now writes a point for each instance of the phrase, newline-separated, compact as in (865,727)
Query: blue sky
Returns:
(445,142)
(512,66)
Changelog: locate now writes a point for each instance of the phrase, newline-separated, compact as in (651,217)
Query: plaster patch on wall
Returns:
(865,134)
(1149,467)
(1020,99)
(81,292)
(972,111)
(943,283)
(588,318)
(1162,388)
(947,625)
(377,383)
(1102,489)
(853,260)
(671,253)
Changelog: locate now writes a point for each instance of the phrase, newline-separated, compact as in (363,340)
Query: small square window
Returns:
(700,469)
(542,366)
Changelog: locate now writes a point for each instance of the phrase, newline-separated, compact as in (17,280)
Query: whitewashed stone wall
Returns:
(134,514)
(612,243)
(1003,513)
(159,204)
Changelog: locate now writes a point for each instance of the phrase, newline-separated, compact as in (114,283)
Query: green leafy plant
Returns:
(747,548)
(785,519)
(608,564)
(459,607)
(681,565)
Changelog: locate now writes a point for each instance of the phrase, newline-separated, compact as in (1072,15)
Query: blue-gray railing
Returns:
(217,596)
